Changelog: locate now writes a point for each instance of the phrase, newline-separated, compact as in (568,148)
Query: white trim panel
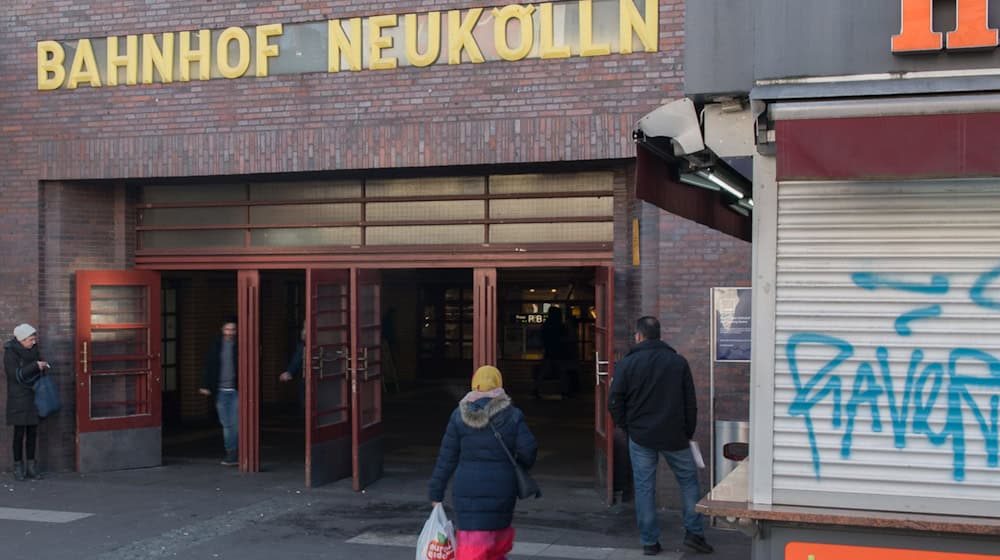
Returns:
(885,107)
(765,227)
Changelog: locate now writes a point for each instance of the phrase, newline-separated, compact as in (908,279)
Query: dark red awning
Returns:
(656,182)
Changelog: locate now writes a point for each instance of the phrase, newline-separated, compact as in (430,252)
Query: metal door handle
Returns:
(83,360)
(317,365)
(320,360)
(362,367)
(598,373)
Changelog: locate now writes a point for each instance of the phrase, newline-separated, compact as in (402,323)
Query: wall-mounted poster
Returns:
(731,324)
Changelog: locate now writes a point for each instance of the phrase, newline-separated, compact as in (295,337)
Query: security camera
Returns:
(676,121)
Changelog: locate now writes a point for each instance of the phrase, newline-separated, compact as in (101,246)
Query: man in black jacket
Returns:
(652,398)
(220,377)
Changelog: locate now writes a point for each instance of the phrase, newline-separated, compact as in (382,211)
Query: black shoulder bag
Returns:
(526,486)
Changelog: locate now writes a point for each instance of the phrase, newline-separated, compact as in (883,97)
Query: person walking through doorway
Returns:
(485,487)
(220,377)
(557,353)
(23,365)
(652,399)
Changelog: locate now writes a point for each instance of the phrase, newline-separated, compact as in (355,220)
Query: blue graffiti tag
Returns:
(904,320)
(872,281)
(977,293)
(926,387)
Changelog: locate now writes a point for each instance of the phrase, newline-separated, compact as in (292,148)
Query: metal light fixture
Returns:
(711,180)
(724,185)
(698,180)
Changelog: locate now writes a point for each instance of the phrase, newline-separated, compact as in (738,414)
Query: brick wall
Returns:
(680,262)
(529,111)
(533,111)
(80,231)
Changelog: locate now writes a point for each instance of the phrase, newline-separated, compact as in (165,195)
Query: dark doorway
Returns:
(416,414)
(282,403)
(195,303)
(427,324)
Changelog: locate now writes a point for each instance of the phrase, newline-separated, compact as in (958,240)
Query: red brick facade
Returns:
(497,113)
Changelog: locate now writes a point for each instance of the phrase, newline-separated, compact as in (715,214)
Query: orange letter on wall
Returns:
(973,30)
(916,33)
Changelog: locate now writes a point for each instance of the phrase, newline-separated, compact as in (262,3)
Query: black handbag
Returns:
(526,486)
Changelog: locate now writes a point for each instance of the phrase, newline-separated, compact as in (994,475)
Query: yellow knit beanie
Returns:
(486,379)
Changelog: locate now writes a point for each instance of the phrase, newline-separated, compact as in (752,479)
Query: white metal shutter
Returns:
(855,261)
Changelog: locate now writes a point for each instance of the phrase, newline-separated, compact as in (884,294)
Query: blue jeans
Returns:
(644,474)
(227,405)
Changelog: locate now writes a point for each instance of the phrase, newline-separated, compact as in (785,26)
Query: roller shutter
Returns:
(887,358)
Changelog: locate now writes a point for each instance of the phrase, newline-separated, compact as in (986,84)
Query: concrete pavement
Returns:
(198,509)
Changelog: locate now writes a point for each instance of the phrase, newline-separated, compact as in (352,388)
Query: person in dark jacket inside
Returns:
(652,399)
(220,377)
(558,358)
(23,365)
(485,487)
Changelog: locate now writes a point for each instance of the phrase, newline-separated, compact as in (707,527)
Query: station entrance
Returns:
(385,356)
(395,288)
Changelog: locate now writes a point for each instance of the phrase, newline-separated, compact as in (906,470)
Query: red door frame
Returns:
(85,280)
(484,317)
(248,342)
(604,365)
(315,363)
(366,373)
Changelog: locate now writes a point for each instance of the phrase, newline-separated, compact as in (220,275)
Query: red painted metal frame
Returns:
(484,314)
(424,256)
(85,280)
(316,434)
(896,147)
(530,257)
(248,341)
(604,342)
(363,364)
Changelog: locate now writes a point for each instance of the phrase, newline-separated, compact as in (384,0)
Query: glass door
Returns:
(118,385)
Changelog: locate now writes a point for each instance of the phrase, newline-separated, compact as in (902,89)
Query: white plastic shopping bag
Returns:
(437,540)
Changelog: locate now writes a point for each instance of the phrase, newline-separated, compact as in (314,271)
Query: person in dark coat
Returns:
(652,399)
(220,377)
(484,488)
(23,365)
(557,360)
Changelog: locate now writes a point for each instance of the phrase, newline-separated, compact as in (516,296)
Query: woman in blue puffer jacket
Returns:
(485,487)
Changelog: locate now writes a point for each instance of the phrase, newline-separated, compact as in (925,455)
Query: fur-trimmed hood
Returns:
(478,408)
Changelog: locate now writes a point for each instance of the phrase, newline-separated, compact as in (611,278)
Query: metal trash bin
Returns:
(727,431)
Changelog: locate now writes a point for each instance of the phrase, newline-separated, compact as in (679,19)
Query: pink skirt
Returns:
(484,545)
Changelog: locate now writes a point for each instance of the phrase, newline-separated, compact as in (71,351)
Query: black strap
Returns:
(502,444)
(20,377)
